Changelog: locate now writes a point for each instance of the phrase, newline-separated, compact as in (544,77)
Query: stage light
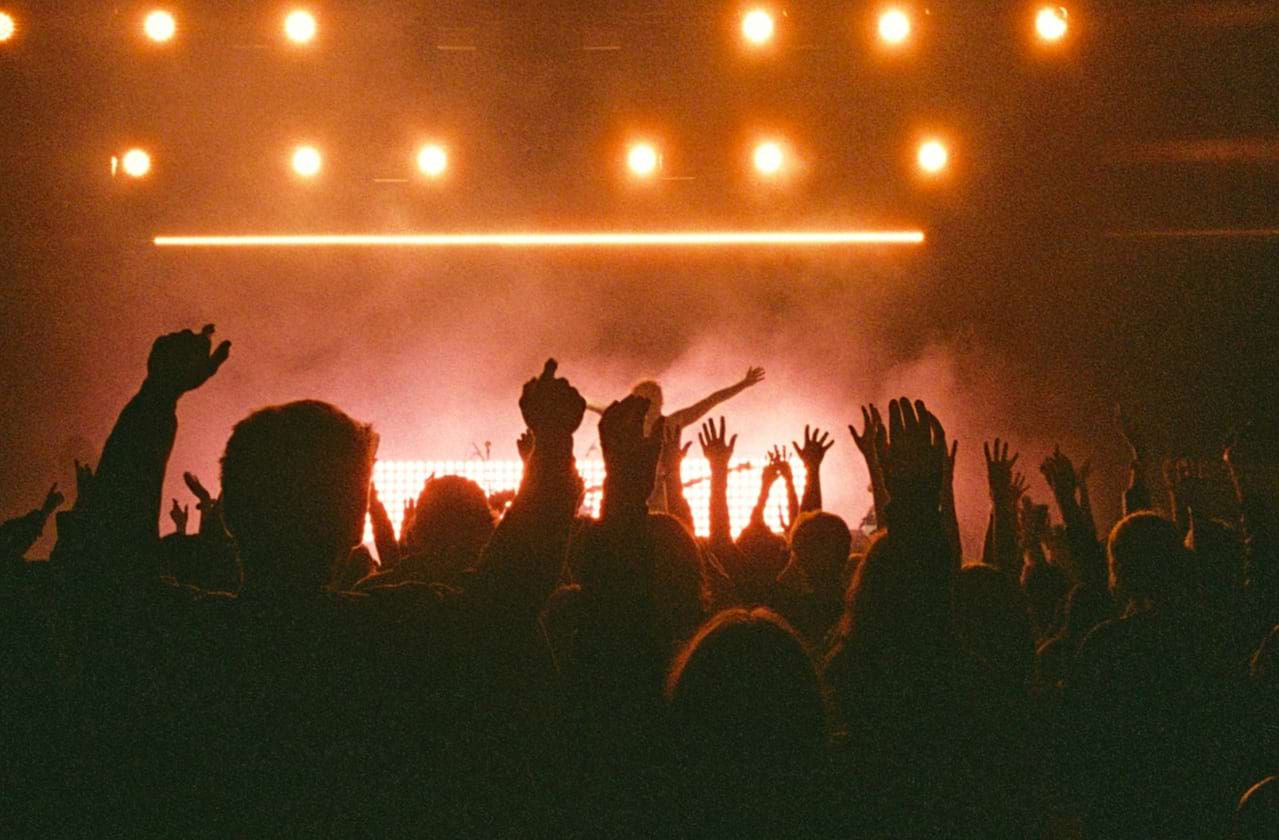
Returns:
(135,163)
(894,26)
(758,27)
(307,161)
(300,27)
(768,158)
(790,238)
(643,160)
(1050,23)
(933,156)
(399,481)
(8,27)
(160,26)
(432,160)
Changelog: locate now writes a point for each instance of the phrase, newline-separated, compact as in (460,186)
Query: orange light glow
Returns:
(1050,23)
(768,158)
(933,156)
(643,160)
(552,240)
(758,27)
(300,27)
(307,161)
(136,163)
(8,27)
(160,26)
(432,160)
(894,26)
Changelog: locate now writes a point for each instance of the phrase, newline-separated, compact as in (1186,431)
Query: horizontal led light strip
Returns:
(550,240)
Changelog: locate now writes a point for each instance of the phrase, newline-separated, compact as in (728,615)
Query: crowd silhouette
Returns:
(512,667)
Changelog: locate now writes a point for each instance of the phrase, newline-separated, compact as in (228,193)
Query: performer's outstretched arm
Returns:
(687,416)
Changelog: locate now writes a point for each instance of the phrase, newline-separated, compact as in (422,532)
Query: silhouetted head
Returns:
(1086,607)
(1218,556)
(820,543)
(453,520)
(993,621)
(678,586)
(900,595)
(1258,811)
(763,557)
(295,491)
(745,690)
(1148,561)
(650,390)
(1046,587)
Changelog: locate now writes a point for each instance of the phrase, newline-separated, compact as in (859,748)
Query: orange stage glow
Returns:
(1050,23)
(643,160)
(432,160)
(758,26)
(768,158)
(136,163)
(307,161)
(160,26)
(933,157)
(551,240)
(894,26)
(8,27)
(300,27)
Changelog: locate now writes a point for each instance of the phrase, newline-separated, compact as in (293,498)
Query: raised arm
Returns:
(1081,533)
(816,444)
(123,514)
(870,443)
(18,535)
(673,454)
(777,467)
(1137,496)
(717,448)
(692,414)
(525,557)
(1002,550)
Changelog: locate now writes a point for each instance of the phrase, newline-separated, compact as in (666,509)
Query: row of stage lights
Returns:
(643,160)
(758,25)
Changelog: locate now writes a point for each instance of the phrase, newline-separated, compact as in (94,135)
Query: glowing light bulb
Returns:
(8,27)
(307,161)
(135,163)
(1050,23)
(432,160)
(894,26)
(643,160)
(758,26)
(933,156)
(160,26)
(300,27)
(768,158)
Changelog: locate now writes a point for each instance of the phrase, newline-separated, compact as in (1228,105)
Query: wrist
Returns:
(159,392)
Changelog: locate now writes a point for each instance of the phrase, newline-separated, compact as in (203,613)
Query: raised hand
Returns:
(816,444)
(183,361)
(180,516)
(717,447)
(870,441)
(913,457)
(550,405)
(1060,474)
(999,471)
(203,497)
(630,456)
(524,445)
(673,452)
(754,376)
(778,465)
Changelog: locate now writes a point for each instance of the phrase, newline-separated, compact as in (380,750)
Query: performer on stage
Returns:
(652,391)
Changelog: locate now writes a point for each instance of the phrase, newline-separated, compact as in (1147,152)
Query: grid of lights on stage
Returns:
(399,481)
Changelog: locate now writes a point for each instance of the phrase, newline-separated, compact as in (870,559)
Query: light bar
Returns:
(399,481)
(551,240)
